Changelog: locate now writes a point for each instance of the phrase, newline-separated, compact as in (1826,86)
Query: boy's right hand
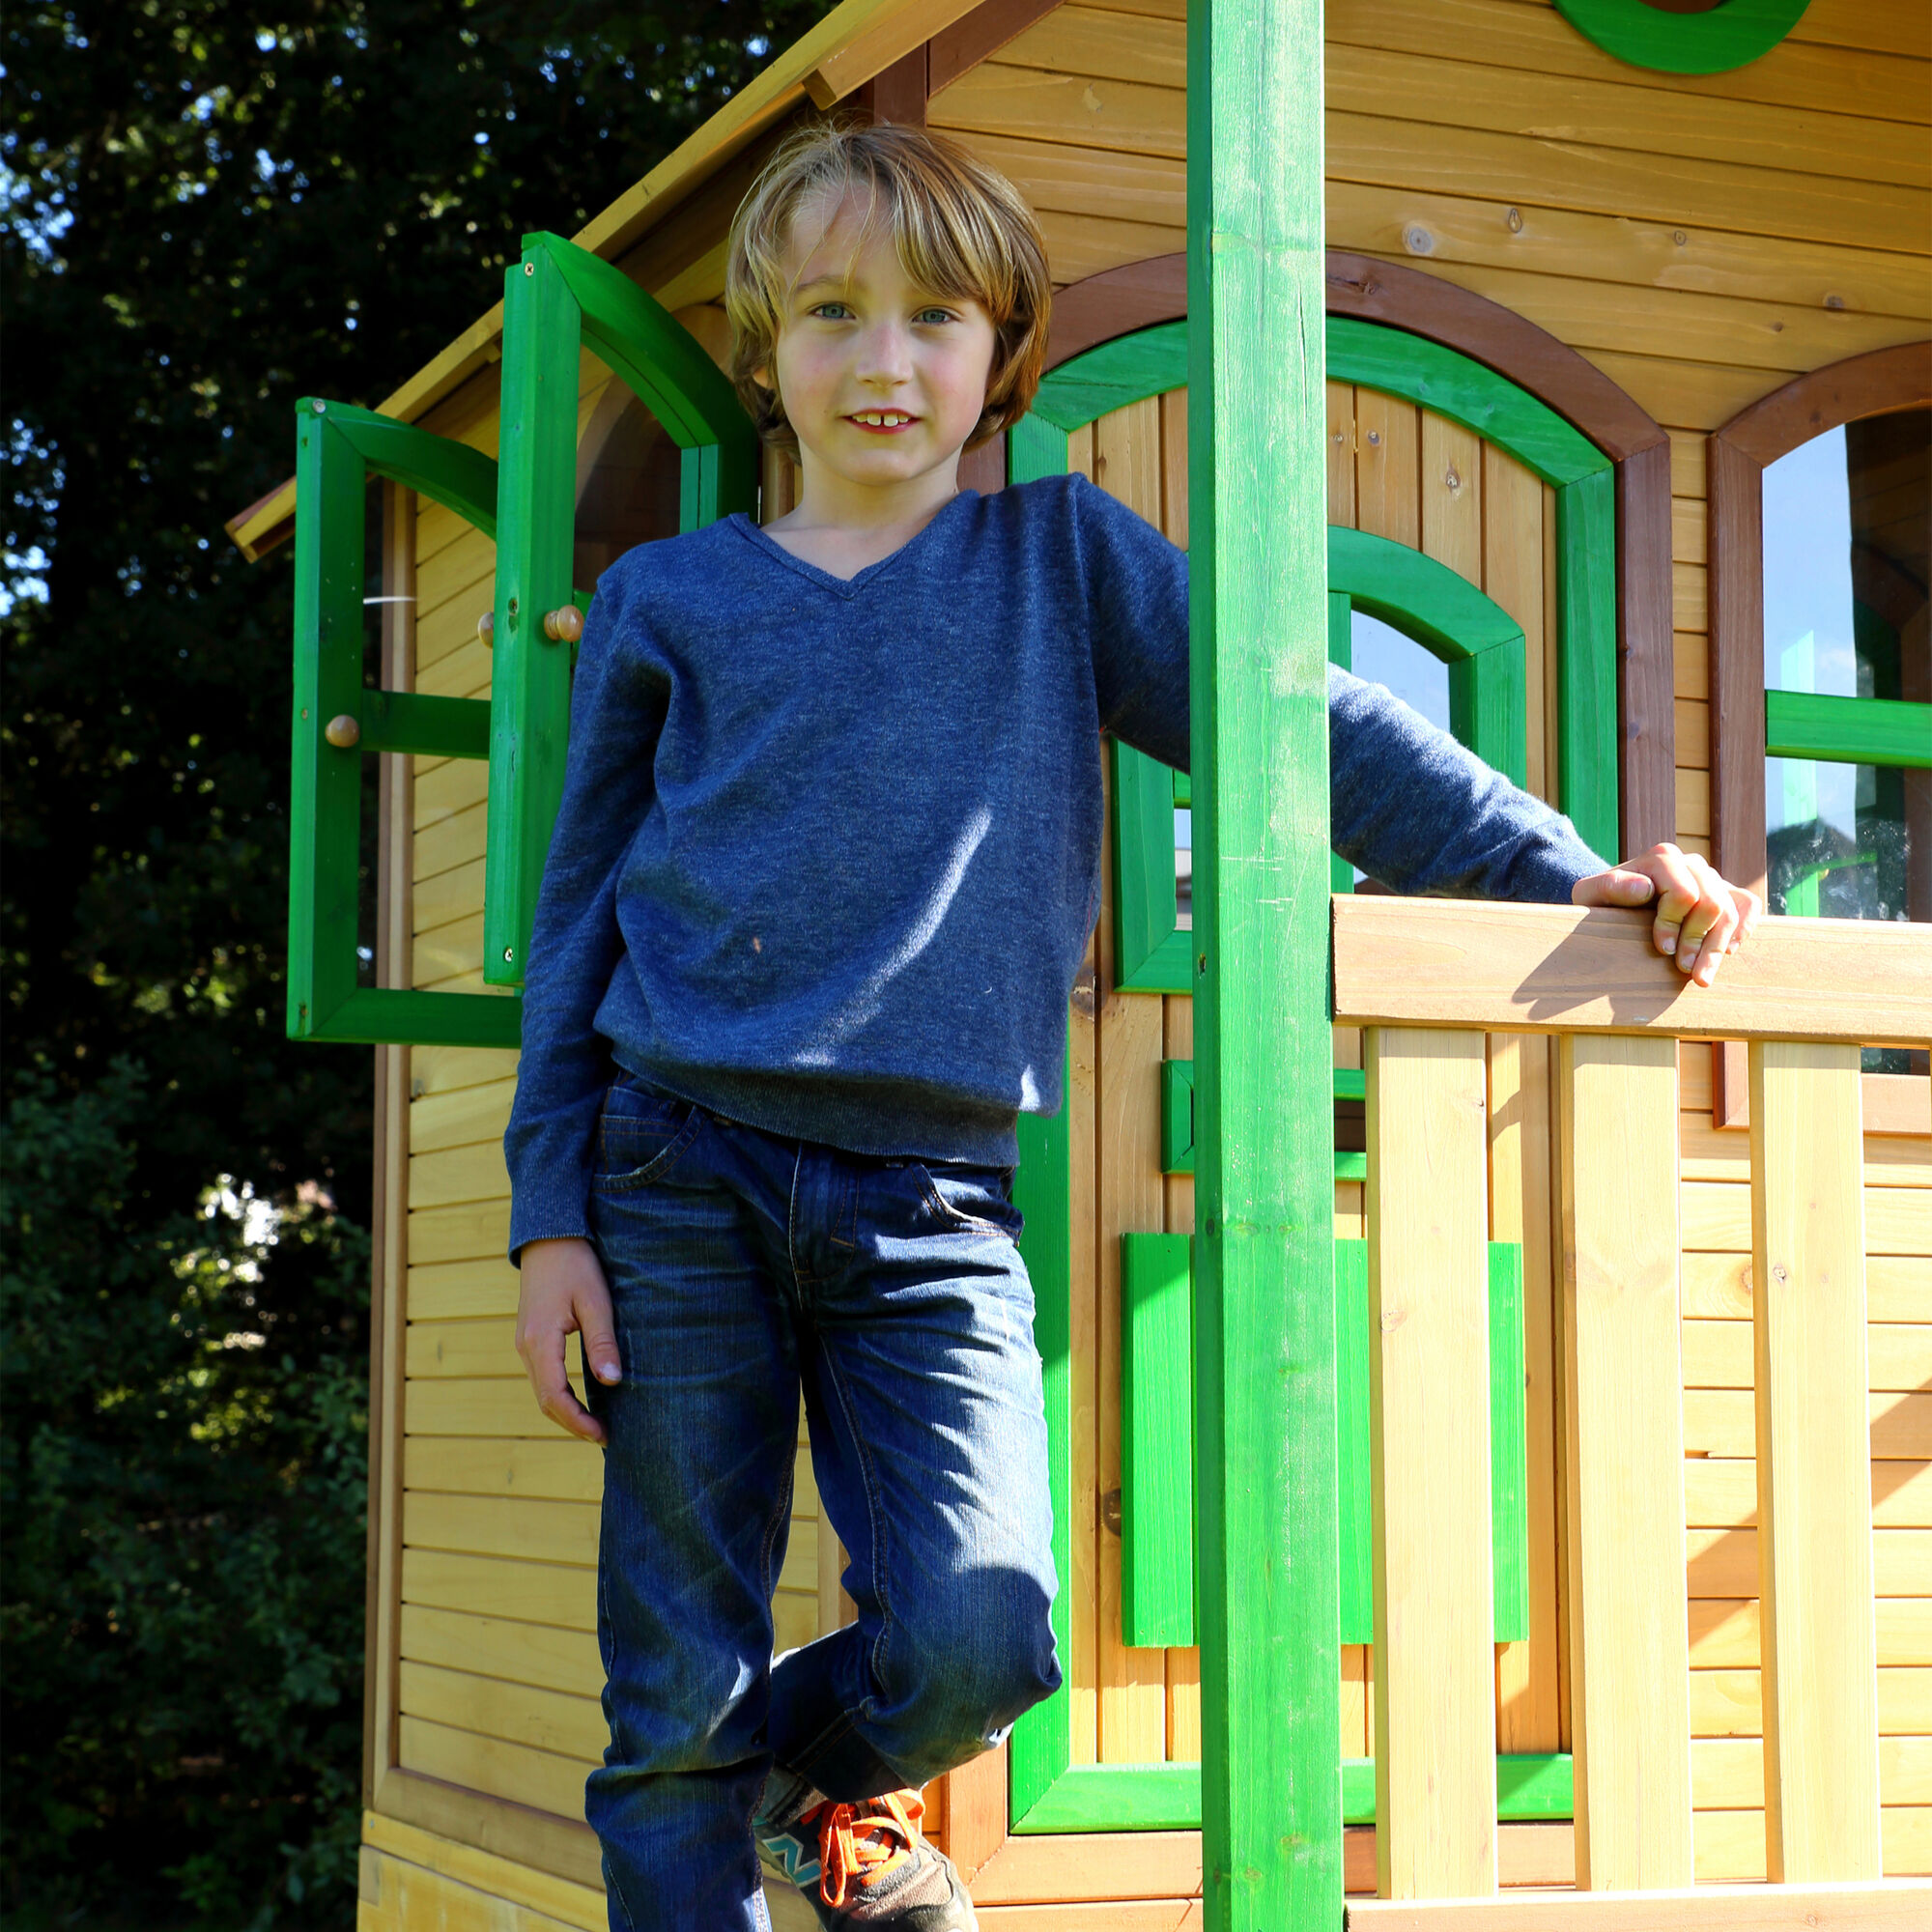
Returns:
(563,1293)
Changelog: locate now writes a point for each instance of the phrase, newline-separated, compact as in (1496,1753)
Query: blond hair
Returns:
(960,229)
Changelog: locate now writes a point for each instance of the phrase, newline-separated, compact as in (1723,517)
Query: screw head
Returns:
(320,406)
(529,267)
(509,954)
(344,732)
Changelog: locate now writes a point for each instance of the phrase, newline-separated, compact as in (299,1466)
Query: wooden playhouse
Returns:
(1561,1529)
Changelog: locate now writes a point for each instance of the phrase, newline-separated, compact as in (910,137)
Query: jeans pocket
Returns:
(971,1200)
(642,1134)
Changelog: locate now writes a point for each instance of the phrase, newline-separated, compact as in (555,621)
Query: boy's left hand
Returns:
(1700,915)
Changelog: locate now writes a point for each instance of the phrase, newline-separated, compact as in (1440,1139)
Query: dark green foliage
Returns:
(212,210)
(182,1476)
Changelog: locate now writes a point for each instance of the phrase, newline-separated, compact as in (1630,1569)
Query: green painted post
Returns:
(529,675)
(1265,1363)
(325,856)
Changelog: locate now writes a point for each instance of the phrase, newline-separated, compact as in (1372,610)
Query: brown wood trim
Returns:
(976,1812)
(1472,325)
(1735,552)
(389,1247)
(1646,651)
(898,94)
(1872,384)
(1117,301)
(959,49)
(985,469)
(565,1847)
(1141,294)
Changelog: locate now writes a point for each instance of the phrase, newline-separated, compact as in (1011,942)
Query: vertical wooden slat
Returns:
(1429,1399)
(1630,1662)
(1264,1331)
(1646,671)
(1388,456)
(1820,1681)
(389,1312)
(975,1811)
(1342,454)
(1735,548)
(1512,575)
(1520,1210)
(1452,495)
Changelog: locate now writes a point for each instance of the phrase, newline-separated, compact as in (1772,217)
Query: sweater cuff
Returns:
(539,1213)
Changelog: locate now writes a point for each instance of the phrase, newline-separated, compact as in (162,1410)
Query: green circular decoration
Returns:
(1712,40)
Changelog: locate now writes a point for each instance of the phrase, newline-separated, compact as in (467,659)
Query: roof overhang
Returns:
(853,43)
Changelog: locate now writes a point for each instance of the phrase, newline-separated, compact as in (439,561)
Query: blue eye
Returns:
(933,314)
(831,311)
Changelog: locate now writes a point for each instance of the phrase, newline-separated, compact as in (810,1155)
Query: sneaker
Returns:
(868,1864)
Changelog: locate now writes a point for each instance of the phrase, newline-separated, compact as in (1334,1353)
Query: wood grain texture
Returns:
(1548,969)
(1628,1646)
(1896,1907)
(958,49)
(1428,1398)
(474,1846)
(1647,727)
(1814,1476)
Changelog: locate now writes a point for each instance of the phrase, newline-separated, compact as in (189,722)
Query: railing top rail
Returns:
(1557,968)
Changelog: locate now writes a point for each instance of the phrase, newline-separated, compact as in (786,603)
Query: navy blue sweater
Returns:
(829,851)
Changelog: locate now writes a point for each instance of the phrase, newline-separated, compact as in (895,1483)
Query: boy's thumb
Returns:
(600,1351)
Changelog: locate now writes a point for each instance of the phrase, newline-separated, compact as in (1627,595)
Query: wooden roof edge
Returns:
(856,40)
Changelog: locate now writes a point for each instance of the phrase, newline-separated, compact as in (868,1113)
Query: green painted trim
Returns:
(1035,448)
(557,300)
(1176,1118)
(1466,391)
(337,448)
(1041,1748)
(1509,1425)
(324,783)
(1848,730)
(1128,369)
(379,1015)
(1341,652)
(1586,660)
(1263,1333)
(1354,1532)
(1116,1798)
(1439,607)
(1151,951)
(1536,1786)
(415,723)
(450,473)
(1509,1446)
(1728,36)
(1156,1441)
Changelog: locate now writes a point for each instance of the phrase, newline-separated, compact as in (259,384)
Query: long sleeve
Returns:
(1408,804)
(616,713)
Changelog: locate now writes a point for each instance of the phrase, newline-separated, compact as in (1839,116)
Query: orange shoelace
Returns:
(856,1842)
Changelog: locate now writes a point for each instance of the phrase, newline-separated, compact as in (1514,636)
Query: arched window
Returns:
(1821,663)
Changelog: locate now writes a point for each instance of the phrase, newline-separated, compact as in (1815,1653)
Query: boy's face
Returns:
(883,381)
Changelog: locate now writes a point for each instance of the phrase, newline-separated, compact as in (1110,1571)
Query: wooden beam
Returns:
(565,1846)
(1630,1664)
(898,94)
(1814,1491)
(1901,1905)
(1646,668)
(1558,969)
(1429,1408)
(1264,1347)
(959,49)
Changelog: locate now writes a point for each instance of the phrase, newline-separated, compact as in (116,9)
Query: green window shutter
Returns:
(1157,1440)
(557,300)
(338,449)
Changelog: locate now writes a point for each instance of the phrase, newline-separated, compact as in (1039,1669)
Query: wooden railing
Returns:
(1427,979)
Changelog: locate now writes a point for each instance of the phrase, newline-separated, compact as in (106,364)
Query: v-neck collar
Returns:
(846,587)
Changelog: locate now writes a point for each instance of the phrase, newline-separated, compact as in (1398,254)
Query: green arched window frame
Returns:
(1732,33)
(1424,599)
(1484,647)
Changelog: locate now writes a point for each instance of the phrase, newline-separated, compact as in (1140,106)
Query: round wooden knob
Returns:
(565,626)
(345,733)
(486,629)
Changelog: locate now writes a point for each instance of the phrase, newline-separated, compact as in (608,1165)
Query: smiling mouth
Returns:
(882,419)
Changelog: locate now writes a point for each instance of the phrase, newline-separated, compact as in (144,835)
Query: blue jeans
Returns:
(743,1268)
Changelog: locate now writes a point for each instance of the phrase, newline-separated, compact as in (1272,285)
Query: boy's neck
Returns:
(841,526)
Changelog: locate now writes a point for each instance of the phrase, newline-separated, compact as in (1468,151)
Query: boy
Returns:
(824,871)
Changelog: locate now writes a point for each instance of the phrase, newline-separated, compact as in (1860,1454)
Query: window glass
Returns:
(1847,545)
(1383,655)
